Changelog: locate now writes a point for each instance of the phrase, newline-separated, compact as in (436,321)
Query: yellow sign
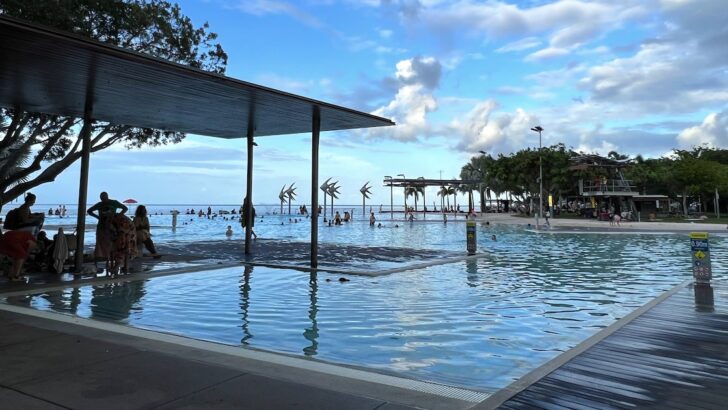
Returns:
(698,235)
(699,255)
(551,201)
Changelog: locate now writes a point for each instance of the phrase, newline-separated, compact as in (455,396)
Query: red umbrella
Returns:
(130,201)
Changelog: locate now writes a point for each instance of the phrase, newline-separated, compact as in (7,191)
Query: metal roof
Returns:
(53,72)
(407,182)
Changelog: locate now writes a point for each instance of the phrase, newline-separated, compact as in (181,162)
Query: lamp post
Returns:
(482,194)
(405,195)
(539,129)
(391,197)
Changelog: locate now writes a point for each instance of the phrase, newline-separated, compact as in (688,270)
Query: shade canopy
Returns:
(53,72)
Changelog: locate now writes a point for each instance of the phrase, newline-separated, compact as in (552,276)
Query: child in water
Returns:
(229,231)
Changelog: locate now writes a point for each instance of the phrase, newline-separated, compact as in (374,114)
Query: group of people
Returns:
(60,211)
(117,235)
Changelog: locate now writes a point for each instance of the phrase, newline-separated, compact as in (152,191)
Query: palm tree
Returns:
(451,191)
(442,193)
(415,190)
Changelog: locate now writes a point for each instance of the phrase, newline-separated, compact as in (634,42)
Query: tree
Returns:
(28,141)
(416,191)
(692,175)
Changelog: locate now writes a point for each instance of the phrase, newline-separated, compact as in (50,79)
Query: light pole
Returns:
(539,129)
(482,194)
(391,197)
(405,194)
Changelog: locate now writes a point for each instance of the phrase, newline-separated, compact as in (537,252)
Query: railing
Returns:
(607,186)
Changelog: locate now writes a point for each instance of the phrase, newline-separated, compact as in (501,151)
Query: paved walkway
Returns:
(673,356)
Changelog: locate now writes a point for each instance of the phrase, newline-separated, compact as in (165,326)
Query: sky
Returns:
(458,77)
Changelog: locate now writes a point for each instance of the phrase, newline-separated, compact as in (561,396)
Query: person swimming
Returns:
(229,231)
(493,238)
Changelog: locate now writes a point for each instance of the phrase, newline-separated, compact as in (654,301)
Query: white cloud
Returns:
(520,45)
(484,129)
(263,7)
(417,78)
(713,132)
(567,24)
(547,54)
(658,79)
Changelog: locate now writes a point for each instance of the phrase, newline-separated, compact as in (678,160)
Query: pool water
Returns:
(479,323)
(191,228)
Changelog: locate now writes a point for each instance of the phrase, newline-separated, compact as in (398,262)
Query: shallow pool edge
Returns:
(416,387)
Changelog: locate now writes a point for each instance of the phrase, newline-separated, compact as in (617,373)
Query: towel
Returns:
(60,251)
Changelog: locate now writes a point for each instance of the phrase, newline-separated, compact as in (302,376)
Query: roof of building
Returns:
(49,71)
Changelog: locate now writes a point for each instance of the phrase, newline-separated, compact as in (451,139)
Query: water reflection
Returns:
(245,303)
(116,300)
(471,268)
(312,333)
(704,300)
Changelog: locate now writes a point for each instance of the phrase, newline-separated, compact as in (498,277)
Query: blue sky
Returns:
(637,76)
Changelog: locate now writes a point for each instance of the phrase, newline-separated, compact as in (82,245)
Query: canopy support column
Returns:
(248,203)
(315,130)
(83,190)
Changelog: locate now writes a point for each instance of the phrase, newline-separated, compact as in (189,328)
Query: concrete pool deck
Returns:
(565,224)
(49,362)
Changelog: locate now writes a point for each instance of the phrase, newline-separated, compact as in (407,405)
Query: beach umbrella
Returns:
(130,201)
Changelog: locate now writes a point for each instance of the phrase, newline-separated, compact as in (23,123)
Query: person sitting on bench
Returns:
(22,219)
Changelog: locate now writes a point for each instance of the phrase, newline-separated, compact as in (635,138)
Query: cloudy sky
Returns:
(636,76)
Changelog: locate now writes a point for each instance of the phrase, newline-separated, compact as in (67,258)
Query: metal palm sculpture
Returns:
(291,194)
(282,197)
(365,192)
(333,190)
(324,187)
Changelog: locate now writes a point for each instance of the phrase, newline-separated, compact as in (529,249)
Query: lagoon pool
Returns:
(428,232)
(478,323)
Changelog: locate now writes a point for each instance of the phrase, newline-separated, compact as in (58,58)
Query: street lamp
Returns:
(539,129)
(405,194)
(480,185)
(391,197)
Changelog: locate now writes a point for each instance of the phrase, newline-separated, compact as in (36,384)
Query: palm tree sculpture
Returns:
(282,197)
(365,192)
(333,190)
(291,194)
(324,187)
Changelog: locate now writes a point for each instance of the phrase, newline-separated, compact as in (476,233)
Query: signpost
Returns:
(470,236)
(700,250)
